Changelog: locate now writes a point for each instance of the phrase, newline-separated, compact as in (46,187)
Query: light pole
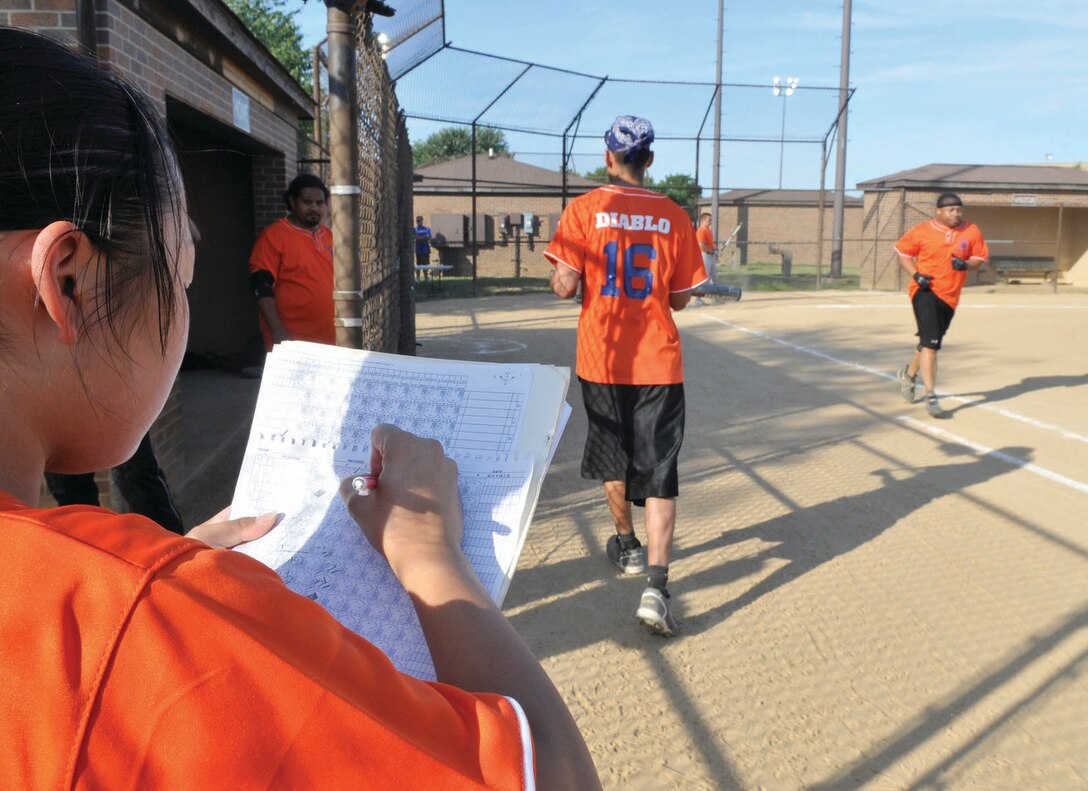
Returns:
(783,89)
(715,197)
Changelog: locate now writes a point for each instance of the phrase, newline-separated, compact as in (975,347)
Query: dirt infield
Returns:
(869,598)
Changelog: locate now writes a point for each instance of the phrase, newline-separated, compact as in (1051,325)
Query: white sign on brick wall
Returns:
(1025,200)
(240,105)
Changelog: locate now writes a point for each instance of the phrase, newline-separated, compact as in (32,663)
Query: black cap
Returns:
(948,199)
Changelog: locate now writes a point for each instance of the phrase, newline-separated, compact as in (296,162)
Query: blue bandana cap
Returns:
(629,135)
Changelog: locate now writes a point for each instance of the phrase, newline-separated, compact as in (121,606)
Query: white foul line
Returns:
(1064,433)
(797,348)
(997,454)
(906,306)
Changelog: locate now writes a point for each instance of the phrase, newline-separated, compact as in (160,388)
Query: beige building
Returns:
(505,188)
(1034,218)
(234,113)
(762,225)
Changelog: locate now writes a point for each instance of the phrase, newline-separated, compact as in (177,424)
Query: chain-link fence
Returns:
(385,201)
(385,206)
(553,119)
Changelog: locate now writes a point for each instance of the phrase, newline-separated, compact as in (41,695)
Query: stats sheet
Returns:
(311,429)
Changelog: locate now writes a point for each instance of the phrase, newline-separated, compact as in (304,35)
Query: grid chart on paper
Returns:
(313,429)
(343,402)
(320,553)
(485,501)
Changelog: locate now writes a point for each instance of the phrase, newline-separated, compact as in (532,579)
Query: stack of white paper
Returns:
(315,411)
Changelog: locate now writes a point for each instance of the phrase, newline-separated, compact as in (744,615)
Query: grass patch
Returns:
(767,276)
(461,287)
(754,276)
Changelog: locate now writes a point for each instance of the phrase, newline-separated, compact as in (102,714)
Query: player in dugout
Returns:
(635,254)
(291,269)
(137,658)
(937,254)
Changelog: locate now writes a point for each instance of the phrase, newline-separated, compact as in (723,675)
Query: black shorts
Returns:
(933,316)
(635,433)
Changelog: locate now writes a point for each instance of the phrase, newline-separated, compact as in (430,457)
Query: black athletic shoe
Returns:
(631,560)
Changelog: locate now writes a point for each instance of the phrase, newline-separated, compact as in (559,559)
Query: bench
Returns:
(438,269)
(1015,268)
(428,285)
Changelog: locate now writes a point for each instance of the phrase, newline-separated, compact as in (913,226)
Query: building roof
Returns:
(226,31)
(778,198)
(990,177)
(500,175)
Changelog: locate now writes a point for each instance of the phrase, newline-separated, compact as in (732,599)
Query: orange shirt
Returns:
(134,658)
(301,264)
(705,236)
(633,248)
(934,244)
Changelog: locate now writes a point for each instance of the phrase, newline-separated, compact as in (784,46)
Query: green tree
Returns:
(456,141)
(678,186)
(276,29)
(598,174)
(681,188)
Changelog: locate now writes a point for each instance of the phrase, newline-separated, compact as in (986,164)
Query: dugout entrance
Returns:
(1034,219)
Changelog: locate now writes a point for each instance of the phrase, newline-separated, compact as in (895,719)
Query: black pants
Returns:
(140,480)
(634,435)
(933,316)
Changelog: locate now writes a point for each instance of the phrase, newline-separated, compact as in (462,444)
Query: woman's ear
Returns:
(56,263)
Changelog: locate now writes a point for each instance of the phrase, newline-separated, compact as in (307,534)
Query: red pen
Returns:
(362,484)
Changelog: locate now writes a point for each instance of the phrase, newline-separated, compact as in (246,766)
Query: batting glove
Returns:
(959,264)
(922,281)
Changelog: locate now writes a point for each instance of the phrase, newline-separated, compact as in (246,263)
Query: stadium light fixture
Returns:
(783,88)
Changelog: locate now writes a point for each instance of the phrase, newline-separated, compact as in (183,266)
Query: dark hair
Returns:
(80,144)
(638,159)
(948,199)
(301,182)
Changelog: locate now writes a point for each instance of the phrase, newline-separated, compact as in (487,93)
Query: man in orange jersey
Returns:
(635,254)
(291,269)
(937,254)
(705,236)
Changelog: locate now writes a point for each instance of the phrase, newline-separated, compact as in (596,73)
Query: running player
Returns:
(937,254)
(636,256)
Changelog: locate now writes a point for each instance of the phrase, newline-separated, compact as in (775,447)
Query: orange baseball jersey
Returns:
(141,659)
(933,245)
(301,264)
(705,237)
(633,248)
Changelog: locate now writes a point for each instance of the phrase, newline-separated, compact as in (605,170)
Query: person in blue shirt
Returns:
(423,242)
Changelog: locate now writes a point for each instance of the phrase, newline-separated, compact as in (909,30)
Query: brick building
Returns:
(234,112)
(442,194)
(788,221)
(1034,217)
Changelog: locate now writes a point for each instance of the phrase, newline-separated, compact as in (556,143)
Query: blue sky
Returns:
(974,81)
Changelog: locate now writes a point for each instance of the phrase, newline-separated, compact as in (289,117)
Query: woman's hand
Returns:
(222,533)
(410,510)
(413,511)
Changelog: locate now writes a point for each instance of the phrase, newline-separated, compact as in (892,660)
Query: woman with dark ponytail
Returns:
(136,658)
